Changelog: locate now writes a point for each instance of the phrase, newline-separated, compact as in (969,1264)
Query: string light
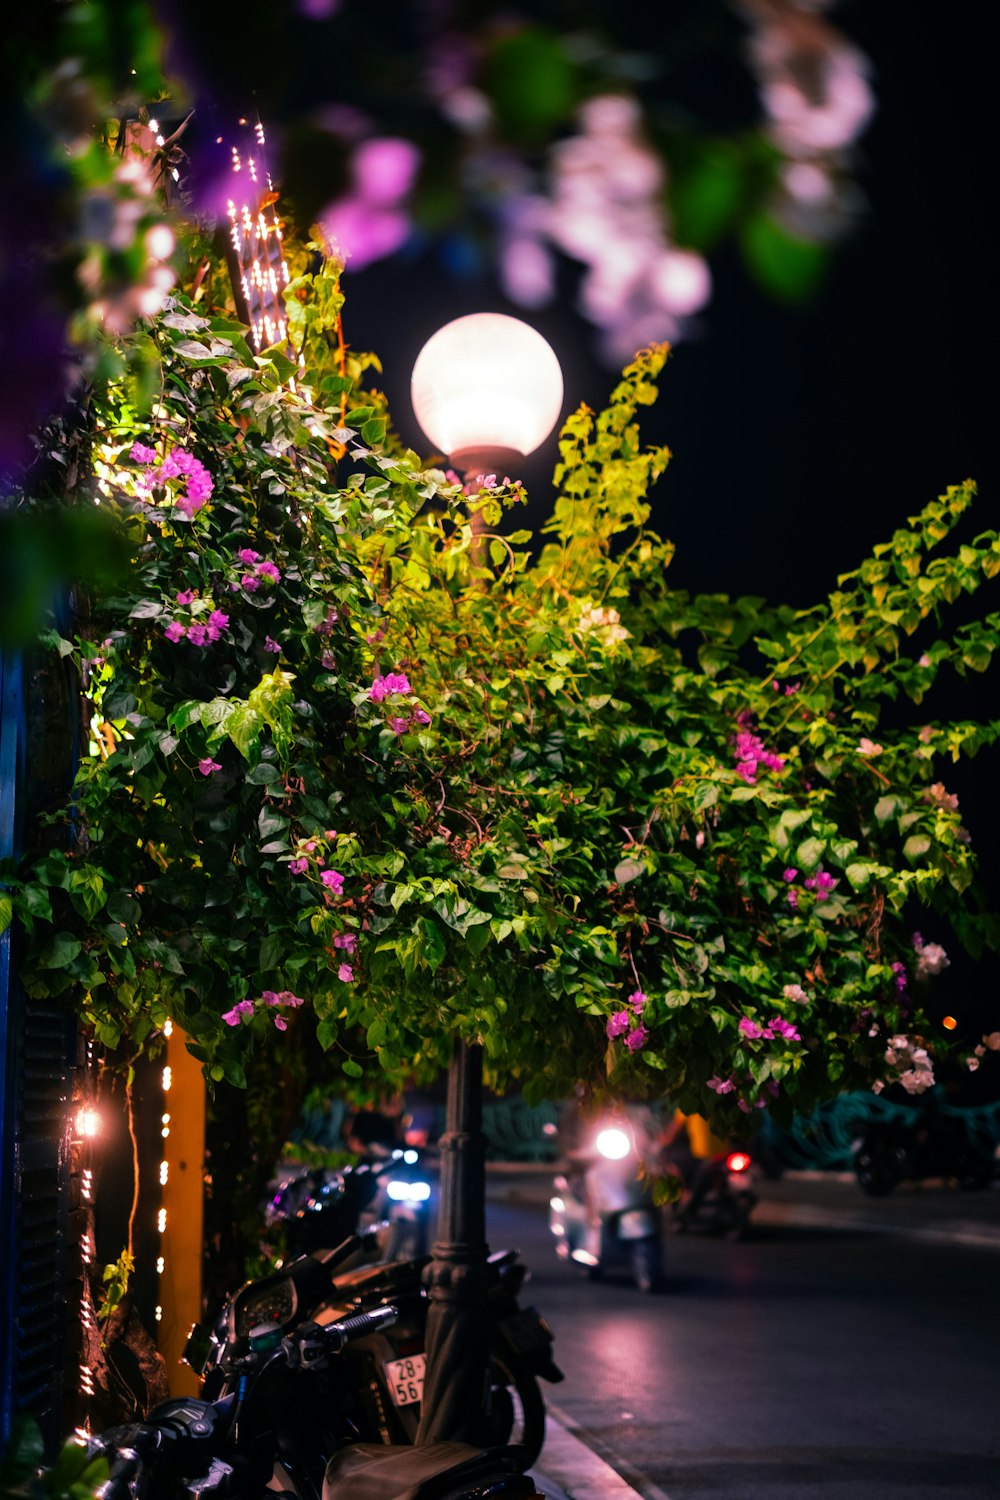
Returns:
(167,1076)
(159,1265)
(164,1169)
(165,1124)
(257,240)
(88,1123)
(168,1028)
(161,1221)
(87,1184)
(158,1315)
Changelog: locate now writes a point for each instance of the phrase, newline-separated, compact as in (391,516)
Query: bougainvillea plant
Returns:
(360,765)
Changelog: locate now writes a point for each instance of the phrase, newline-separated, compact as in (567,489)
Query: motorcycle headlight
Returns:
(613,1144)
(408,1192)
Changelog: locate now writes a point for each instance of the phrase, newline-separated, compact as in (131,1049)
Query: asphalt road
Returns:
(806,1362)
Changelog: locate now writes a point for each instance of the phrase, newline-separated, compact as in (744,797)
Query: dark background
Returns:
(802,435)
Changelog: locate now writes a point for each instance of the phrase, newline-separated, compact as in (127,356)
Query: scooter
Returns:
(256,1438)
(721,1195)
(930,1143)
(602,1214)
(382,1392)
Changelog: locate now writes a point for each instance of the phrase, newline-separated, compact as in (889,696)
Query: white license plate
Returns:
(406,1379)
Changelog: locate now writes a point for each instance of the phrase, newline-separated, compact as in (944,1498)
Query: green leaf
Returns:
(859,875)
(916,846)
(36,902)
(6,911)
(60,950)
(477,938)
(810,852)
(629,869)
(433,942)
(351,1068)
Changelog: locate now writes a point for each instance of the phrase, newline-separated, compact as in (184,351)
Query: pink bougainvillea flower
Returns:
(784,1028)
(240,1009)
(868,747)
(331,833)
(421,716)
(637,1038)
(247,556)
(298,866)
(721,1085)
(270,997)
(280,1023)
(197,634)
(749,1028)
(207,766)
(270,645)
(185,596)
(899,970)
(795,992)
(140,454)
(345,973)
(346,940)
(793,900)
(637,1000)
(375,637)
(391,682)
(748,770)
(333,881)
(790,873)
(175,631)
(250,583)
(270,571)
(619,1022)
(399,725)
(189,505)
(217,621)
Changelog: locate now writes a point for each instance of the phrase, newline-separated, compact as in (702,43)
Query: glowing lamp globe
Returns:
(487,390)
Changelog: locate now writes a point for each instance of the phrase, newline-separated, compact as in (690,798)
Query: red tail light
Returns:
(737,1161)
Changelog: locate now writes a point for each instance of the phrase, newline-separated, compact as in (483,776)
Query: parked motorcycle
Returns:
(260,1435)
(720,1195)
(384,1371)
(394,1194)
(930,1144)
(602,1214)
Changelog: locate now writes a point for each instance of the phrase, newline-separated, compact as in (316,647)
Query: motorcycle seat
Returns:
(437,1471)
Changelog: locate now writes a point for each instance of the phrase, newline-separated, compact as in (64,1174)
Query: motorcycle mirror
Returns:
(198,1348)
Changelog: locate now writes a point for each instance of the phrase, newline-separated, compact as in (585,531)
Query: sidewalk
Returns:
(830,1200)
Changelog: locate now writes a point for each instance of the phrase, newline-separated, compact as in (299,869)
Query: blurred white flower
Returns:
(932,960)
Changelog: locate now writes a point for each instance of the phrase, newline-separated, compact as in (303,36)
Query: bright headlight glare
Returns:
(613,1144)
(408,1192)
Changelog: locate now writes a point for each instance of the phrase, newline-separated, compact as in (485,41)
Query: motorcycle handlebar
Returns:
(309,1347)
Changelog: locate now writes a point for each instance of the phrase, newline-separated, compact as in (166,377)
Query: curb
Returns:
(579,1472)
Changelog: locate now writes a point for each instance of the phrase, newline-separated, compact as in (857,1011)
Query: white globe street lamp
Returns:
(487,390)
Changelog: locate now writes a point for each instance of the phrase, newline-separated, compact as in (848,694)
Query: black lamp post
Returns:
(487,390)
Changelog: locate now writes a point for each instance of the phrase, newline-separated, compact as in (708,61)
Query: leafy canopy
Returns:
(367,758)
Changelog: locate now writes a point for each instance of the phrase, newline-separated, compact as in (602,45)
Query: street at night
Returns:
(849,1361)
